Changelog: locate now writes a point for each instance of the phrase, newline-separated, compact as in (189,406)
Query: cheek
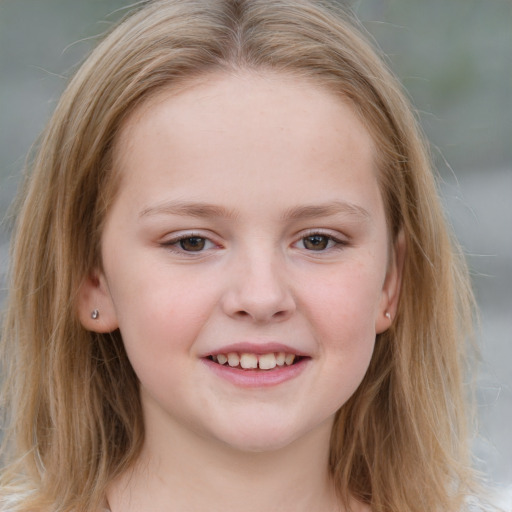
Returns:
(342,309)
(349,297)
(343,317)
(159,313)
(159,330)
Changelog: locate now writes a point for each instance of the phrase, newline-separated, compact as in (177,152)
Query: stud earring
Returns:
(95,314)
(387,314)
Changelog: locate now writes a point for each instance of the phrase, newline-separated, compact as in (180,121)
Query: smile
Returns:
(249,361)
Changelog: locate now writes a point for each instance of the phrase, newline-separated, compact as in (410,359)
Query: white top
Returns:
(10,501)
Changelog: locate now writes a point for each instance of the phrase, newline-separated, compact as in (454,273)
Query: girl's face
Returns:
(246,260)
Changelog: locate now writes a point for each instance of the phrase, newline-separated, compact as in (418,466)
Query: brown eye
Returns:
(316,242)
(193,243)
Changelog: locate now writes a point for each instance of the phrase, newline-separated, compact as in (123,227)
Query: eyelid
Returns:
(171,243)
(339,240)
(335,235)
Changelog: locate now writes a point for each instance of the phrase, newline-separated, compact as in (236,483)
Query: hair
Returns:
(401,441)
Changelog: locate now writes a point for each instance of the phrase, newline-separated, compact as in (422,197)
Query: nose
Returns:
(258,291)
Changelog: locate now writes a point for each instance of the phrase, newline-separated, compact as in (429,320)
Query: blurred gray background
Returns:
(454,58)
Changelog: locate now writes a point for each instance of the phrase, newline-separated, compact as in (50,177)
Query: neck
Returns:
(196,474)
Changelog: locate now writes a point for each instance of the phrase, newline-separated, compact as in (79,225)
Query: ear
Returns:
(391,289)
(94,296)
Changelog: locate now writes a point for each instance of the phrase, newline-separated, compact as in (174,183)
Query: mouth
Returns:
(250,361)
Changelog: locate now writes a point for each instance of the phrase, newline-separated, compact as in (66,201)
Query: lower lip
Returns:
(258,378)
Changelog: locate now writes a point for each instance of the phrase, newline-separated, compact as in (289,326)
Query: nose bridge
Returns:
(258,285)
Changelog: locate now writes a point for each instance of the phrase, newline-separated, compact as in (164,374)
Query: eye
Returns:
(319,242)
(316,242)
(189,243)
(193,243)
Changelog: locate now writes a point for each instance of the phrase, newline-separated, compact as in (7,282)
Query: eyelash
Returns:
(176,244)
(336,243)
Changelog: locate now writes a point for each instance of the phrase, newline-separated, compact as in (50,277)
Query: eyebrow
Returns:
(326,210)
(188,209)
(202,210)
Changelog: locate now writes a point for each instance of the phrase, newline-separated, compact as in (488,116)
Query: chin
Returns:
(253,445)
(264,438)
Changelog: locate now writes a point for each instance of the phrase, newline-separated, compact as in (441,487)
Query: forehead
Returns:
(250,98)
(272,130)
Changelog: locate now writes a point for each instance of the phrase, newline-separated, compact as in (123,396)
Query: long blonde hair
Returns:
(400,443)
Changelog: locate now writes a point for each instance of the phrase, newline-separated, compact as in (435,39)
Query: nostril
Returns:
(250,299)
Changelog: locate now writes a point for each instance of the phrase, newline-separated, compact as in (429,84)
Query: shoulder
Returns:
(497,500)
(14,497)
(11,501)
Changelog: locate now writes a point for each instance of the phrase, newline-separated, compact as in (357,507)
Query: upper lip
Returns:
(256,348)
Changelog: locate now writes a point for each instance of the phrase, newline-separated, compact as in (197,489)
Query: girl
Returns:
(232,287)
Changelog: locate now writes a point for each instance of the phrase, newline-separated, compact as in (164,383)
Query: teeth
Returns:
(233,359)
(267,361)
(248,361)
(280,358)
(252,361)
(289,359)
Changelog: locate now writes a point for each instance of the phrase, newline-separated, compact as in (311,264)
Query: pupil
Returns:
(194,243)
(316,242)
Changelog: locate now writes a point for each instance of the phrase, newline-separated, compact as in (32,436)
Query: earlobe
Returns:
(392,284)
(95,307)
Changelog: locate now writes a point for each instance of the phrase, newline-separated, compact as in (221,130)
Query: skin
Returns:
(256,163)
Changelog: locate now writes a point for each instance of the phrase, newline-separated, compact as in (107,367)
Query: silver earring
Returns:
(95,314)
(387,315)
